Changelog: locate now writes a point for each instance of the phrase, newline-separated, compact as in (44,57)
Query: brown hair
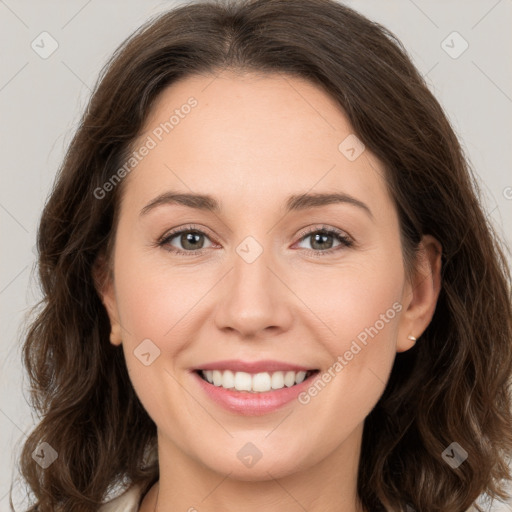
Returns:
(454,385)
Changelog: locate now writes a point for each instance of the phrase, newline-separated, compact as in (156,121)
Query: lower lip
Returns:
(253,404)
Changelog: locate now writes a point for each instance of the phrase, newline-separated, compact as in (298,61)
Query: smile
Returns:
(254,383)
(253,394)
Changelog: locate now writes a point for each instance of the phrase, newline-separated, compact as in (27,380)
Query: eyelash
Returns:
(339,235)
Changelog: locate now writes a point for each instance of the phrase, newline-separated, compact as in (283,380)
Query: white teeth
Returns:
(257,383)
(300,377)
(261,382)
(243,381)
(217,377)
(289,379)
(228,379)
(277,380)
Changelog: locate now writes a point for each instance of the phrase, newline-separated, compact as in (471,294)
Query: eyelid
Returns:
(345,239)
(164,240)
(185,228)
(327,228)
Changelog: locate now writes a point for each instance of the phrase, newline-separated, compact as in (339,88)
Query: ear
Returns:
(421,293)
(103,277)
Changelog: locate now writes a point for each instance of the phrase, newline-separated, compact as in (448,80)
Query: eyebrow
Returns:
(296,202)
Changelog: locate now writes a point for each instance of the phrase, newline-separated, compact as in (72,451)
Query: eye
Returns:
(190,239)
(322,240)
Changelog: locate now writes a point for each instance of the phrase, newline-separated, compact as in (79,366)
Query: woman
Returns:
(269,283)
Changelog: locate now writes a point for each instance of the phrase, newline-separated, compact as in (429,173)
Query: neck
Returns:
(326,485)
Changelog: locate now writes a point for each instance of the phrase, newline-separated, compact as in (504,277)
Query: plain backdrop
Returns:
(41,99)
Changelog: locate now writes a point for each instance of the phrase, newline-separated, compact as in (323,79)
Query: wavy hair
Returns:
(453,385)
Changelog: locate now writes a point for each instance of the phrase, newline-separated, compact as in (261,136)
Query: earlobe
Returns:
(421,294)
(115,333)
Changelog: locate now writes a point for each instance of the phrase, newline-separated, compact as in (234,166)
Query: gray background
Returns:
(41,100)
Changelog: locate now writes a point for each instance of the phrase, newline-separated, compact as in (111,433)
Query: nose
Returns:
(255,301)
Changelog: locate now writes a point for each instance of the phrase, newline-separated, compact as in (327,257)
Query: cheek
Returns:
(152,297)
(359,314)
(357,308)
(153,311)
(146,310)
(354,299)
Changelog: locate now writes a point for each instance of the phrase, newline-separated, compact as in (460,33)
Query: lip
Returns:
(237,365)
(252,404)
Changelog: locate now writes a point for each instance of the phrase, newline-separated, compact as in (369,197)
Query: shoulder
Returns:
(128,501)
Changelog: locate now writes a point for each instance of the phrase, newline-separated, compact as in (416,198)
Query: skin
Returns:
(252,141)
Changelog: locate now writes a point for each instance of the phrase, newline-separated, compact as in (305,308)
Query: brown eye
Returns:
(191,240)
(323,240)
(187,240)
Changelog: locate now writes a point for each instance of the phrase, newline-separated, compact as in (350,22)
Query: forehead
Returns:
(249,137)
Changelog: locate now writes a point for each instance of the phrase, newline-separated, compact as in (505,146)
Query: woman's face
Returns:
(258,278)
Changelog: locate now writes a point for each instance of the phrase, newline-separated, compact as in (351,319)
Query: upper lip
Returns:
(236,365)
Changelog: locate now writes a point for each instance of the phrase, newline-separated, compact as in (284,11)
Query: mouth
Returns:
(261,382)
